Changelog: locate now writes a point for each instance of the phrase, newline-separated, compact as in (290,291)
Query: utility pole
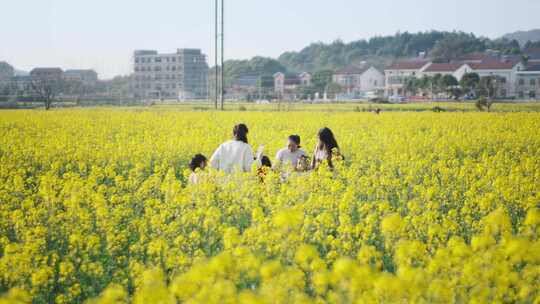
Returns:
(216,89)
(222,53)
(219,54)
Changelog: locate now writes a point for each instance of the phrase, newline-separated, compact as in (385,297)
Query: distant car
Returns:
(469,97)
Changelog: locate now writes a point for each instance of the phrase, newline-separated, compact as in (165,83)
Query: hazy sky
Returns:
(101,34)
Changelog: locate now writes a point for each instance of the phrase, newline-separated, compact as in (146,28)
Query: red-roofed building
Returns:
(399,71)
(476,57)
(285,85)
(506,70)
(455,69)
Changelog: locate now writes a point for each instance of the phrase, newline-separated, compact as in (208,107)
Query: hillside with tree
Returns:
(377,51)
(524,36)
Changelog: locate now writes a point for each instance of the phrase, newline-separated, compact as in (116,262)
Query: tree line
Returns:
(440,46)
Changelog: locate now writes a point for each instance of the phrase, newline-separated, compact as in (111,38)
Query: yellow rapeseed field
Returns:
(425,208)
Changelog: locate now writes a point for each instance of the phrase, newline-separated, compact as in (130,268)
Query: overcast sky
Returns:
(102,34)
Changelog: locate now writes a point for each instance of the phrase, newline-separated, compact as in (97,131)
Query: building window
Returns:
(173,59)
(532,94)
(503,93)
(521,94)
(521,81)
(503,79)
(533,82)
(157,59)
(136,60)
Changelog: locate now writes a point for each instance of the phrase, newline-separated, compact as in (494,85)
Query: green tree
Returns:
(333,90)
(424,84)
(307,92)
(484,103)
(469,82)
(449,84)
(411,85)
(47,89)
(489,87)
(321,79)
(435,84)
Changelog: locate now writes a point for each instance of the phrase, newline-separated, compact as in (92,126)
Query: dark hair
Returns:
(296,139)
(265,161)
(240,132)
(197,161)
(327,138)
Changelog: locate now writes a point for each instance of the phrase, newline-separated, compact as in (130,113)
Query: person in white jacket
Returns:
(234,155)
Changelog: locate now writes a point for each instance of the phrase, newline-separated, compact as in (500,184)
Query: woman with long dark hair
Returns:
(234,155)
(326,149)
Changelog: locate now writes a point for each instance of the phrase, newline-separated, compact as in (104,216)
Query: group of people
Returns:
(236,155)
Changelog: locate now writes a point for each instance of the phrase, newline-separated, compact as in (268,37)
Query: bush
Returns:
(481,103)
(242,108)
(379,100)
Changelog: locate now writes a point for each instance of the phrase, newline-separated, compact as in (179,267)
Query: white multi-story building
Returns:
(357,81)
(528,83)
(506,70)
(181,75)
(398,72)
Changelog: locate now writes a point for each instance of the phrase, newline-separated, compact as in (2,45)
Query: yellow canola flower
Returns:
(95,207)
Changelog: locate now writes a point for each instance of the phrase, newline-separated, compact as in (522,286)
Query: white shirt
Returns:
(232,156)
(286,156)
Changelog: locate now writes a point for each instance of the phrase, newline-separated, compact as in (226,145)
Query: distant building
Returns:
(455,69)
(505,70)
(357,81)
(477,57)
(243,87)
(47,73)
(86,77)
(286,85)
(528,83)
(181,75)
(6,71)
(399,71)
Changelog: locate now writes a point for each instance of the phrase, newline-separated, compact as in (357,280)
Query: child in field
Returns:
(291,154)
(197,164)
(266,165)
